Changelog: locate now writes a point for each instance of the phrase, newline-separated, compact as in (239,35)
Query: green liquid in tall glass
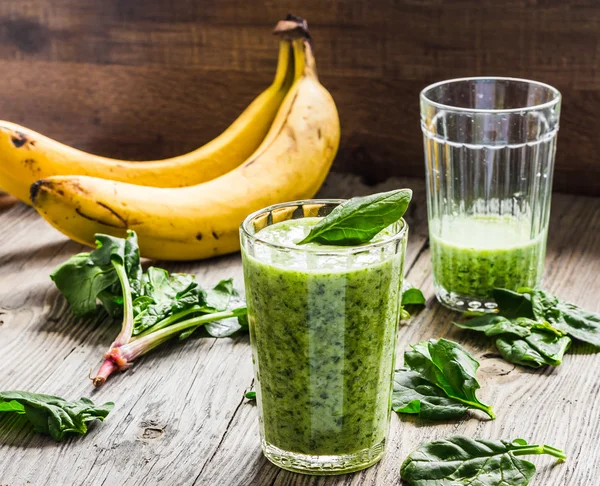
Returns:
(472,255)
(323,339)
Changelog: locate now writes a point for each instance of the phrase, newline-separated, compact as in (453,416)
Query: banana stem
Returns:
(282,64)
(299,46)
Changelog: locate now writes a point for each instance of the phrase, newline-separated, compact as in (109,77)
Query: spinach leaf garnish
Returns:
(53,415)
(358,220)
(459,460)
(438,382)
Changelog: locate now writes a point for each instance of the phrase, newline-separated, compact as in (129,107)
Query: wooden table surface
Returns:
(180,416)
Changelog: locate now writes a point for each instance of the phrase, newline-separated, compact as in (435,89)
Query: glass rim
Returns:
(399,235)
(548,104)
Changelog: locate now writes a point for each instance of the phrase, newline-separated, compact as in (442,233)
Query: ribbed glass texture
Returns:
(489,158)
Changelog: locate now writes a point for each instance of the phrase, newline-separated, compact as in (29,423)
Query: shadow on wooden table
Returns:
(19,256)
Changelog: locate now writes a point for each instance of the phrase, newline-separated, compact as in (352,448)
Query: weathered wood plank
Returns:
(180,416)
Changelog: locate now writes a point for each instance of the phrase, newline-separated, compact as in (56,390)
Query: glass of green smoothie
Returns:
(323,325)
(489,158)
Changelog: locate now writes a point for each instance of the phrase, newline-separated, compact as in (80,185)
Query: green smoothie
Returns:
(472,255)
(323,333)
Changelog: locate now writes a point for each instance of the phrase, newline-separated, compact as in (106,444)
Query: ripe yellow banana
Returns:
(203,220)
(27,156)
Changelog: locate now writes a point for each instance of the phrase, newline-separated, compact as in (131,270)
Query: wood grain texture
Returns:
(144,79)
(180,416)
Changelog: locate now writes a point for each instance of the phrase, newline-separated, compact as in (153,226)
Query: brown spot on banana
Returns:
(215,235)
(96,220)
(34,190)
(31,165)
(19,139)
(117,215)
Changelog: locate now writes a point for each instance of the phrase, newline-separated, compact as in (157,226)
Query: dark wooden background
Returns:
(155,78)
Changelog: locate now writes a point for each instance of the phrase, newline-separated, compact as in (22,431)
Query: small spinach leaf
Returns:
(412,300)
(576,322)
(413,296)
(220,298)
(493,325)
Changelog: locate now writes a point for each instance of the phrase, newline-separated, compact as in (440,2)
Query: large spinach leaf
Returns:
(53,415)
(450,367)
(462,461)
(88,277)
(414,394)
(522,340)
(565,316)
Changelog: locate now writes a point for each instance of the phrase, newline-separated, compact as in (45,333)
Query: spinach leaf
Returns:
(163,295)
(565,316)
(228,327)
(519,351)
(513,304)
(522,340)
(413,296)
(494,324)
(449,366)
(461,461)
(415,395)
(53,415)
(87,277)
(412,300)
(220,298)
(577,323)
(358,220)
(551,346)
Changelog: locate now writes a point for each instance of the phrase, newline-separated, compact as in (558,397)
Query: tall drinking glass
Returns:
(323,324)
(489,158)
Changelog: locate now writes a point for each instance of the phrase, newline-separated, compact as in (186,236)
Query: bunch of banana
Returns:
(201,221)
(27,156)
